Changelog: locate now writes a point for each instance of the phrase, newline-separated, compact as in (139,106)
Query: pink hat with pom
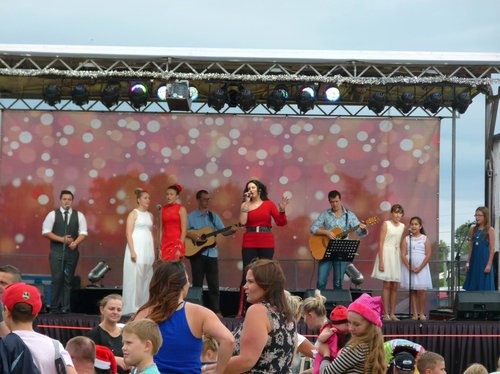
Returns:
(368,307)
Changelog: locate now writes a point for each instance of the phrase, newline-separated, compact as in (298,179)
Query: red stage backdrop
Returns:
(103,157)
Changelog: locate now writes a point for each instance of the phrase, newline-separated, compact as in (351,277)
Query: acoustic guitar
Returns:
(207,239)
(319,243)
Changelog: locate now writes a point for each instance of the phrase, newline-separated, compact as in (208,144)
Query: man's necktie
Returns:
(66,217)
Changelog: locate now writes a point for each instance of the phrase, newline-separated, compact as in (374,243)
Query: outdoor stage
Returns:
(460,342)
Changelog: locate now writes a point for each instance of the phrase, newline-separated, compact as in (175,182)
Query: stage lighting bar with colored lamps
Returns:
(52,94)
(138,95)
(277,98)
(110,95)
(306,97)
(247,100)
(80,95)
(179,96)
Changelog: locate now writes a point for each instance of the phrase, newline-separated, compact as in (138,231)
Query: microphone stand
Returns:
(66,222)
(458,259)
(410,234)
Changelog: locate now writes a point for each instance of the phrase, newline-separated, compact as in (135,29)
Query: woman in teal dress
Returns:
(479,268)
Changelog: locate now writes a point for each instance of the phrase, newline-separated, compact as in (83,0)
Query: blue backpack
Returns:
(15,356)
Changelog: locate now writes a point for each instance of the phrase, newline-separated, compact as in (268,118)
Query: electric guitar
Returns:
(319,243)
(207,239)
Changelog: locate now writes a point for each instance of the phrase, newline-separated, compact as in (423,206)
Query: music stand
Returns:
(341,250)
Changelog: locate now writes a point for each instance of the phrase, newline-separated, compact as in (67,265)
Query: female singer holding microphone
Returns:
(256,213)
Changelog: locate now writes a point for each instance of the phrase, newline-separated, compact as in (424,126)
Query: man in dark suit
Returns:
(66,229)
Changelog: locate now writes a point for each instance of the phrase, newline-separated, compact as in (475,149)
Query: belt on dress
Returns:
(259,229)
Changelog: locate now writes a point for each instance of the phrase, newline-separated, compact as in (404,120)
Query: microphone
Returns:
(66,207)
(410,232)
(158,206)
(471,224)
(247,194)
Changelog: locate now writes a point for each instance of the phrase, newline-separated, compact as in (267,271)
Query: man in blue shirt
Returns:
(204,263)
(336,216)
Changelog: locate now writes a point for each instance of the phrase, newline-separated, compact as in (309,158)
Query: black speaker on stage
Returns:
(333,297)
(478,305)
(195,295)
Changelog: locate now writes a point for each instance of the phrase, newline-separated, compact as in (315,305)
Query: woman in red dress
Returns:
(174,225)
(256,213)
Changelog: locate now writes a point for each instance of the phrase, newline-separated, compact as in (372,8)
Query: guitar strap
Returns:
(211,218)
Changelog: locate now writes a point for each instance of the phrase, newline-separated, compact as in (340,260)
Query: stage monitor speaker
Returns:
(333,297)
(478,305)
(195,295)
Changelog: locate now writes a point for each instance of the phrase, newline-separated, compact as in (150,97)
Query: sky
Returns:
(360,25)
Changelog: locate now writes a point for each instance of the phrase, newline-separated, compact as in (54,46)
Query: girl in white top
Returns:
(416,250)
(388,261)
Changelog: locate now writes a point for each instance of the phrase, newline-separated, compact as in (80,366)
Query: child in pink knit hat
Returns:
(365,349)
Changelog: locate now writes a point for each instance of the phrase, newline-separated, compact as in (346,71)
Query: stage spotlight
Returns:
(80,95)
(110,95)
(354,274)
(247,100)
(305,99)
(161,92)
(433,102)
(461,102)
(332,94)
(193,92)
(217,98)
(377,103)
(277,99)
(52,94)
(138,94)
(405,102)
(98,272)
(178,96)
(233,98)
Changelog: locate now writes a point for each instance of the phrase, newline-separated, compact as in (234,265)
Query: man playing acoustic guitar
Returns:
(204,261)
(333,221)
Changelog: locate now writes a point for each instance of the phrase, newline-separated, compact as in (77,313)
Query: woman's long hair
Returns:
(167,283)
(261,188)
(375,362)
(486,215)
(270,277)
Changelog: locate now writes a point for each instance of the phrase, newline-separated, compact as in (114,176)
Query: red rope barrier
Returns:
(432,336)
(64,327)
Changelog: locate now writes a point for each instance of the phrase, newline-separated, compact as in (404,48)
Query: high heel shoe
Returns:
(394,318)
(414,317)
(386,317)
(422,317)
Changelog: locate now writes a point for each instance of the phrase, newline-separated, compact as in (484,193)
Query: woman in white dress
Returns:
(139,254)
(416,249)
(388,261)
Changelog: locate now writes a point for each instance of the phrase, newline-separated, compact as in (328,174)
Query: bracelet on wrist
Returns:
(244,211)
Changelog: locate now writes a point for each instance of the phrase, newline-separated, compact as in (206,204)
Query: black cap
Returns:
(404,361)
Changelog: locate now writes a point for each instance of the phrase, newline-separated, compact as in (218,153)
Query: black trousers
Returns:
(249,254)
(204,266)
(62,267)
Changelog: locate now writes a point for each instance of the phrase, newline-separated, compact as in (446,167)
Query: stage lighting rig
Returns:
(52,94)
(178,96)
(461,102)
(247,100)
(80,95)
(277,98)
(110,95)
(377,103)
(98,272)
(405,102)
(138,95)
(306,97)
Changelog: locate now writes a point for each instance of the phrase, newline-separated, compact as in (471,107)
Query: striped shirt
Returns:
(351,360)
